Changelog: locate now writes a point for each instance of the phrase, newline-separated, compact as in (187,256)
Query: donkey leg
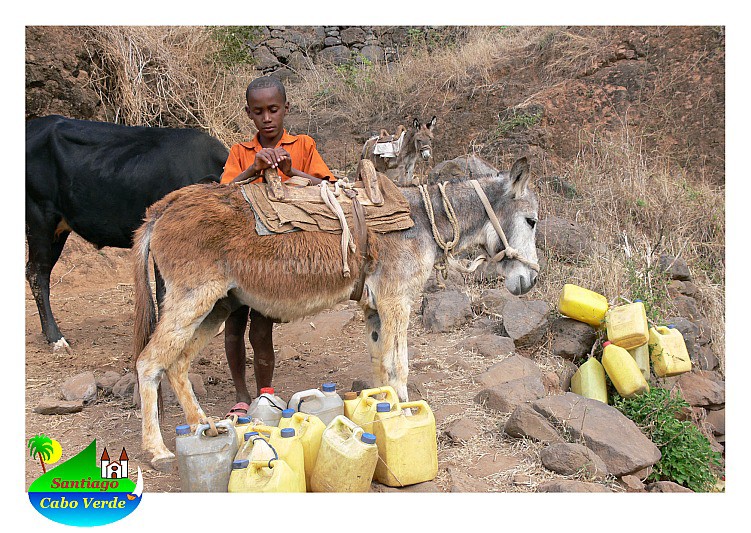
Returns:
(262,340)
(386,330)
(177,373)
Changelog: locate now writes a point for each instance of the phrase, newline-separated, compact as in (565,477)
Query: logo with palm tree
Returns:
(47,450)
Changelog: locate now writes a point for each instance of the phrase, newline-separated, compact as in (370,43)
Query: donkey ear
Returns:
(431,124)
(416,124)
(519,176)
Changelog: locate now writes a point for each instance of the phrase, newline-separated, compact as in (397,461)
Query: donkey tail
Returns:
(144,321)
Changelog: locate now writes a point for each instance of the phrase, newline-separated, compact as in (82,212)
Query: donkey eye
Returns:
(532,222)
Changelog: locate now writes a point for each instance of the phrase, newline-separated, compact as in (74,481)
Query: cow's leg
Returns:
(178,372)
(261,339)
(234,347)
(175,330)
(386,333)
(45,247)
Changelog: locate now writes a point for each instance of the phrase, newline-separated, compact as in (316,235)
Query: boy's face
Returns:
(266,108)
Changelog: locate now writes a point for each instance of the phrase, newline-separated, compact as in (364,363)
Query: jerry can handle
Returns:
(201,428)
(300,397)
(391,396)
(344,421)
(420,406)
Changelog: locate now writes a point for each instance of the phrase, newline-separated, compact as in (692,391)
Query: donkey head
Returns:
(517,213)
(423,138)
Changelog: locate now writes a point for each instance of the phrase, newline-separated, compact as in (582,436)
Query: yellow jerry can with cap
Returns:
(589,381)
(362,410)
(623,371)
(583,305)
(627,325)
(310,429)
(407,445)
(668,352)
(274,475)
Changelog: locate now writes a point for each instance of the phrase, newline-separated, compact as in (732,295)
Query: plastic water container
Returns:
(242,425)
(267,407)
(641,356)
(363,409)
(274,475)
(326,404)
(245,446)
(627,325)
(288,447)
(589,381)
(205,463)
(350,402)
(310,429)
(583,305)
(623,371)
(238,475)
(407,445)
(347,459)
(668,352)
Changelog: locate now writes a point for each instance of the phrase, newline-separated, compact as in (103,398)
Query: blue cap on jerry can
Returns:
(383,407)
(328,387)
(288,432)
(287,413)
(182,429)
(368,438)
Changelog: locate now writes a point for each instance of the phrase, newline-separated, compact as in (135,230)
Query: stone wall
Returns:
(289,50)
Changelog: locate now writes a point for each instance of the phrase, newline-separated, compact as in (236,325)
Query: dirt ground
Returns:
(93,301)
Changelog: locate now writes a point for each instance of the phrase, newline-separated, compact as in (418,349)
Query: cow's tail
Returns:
(144,320)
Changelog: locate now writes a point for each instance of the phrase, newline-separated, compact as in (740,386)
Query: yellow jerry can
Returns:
(668,352)
(583,305)
(589,381)
(623,370)
(627,325)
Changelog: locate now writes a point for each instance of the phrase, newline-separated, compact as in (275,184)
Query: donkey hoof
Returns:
(164,464)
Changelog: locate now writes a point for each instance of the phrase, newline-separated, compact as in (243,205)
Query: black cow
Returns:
(97,179)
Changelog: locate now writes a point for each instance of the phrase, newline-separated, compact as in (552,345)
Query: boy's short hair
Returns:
(265,82)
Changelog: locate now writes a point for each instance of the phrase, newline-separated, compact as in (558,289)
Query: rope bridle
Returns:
(448,259)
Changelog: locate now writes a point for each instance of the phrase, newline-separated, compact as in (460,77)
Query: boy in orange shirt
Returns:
(291,155)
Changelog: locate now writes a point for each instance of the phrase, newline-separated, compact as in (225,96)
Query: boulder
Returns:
(445,311)
(525,321)
(489,345)
(686,307)
(461,430)
(107,381)
(505,397)
(511,368)
(570,459)
(675,267)
(493,300)
(526,422)
(80,387)
(666,486)
(124,386)
(717,420)
(55,406)
(570,485)
(571,339)
(601,428)
(702,389)
(565,374)
(632,484)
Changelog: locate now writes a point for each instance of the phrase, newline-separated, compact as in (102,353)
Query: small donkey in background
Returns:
(400,166)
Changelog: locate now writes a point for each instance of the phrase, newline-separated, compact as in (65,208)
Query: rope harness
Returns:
(448,259)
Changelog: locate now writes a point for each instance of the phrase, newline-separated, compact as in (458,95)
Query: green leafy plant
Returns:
(648,284)
(357,68)
(517,118)
(233,42)
(687,457)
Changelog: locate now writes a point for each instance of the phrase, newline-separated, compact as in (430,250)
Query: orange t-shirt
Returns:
(301,148)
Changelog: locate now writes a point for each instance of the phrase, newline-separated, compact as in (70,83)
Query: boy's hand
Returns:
(273,158)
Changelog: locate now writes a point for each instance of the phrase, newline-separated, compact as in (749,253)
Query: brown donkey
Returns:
(417,142)
(203,241)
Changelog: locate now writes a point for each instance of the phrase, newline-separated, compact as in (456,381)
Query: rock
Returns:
(505,397)
(686,306)
(124,386)
(445,311)
(571,459)
(461,482)
(632,484)
(509,369)
(565,374)
(287,353)
(264,58)
(552,383)
(55,406)
(564,239)
(707,360)
(571,339)
(570,485)
(493,300)
(373,53)
(704,336)
(361,384)
(489,345)
(525,321)
(666,486)
(461,430)
(675,267)
(717,420)
(107,381)
(603,429)
(80,387)
(338,55)
(352,35)
(493,463)
(526,422)
(702,389)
